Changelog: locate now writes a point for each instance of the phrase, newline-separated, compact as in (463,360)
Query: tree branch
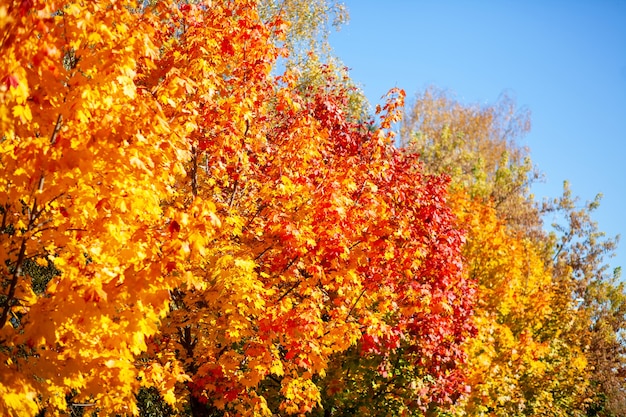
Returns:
(13,286)
(354,305)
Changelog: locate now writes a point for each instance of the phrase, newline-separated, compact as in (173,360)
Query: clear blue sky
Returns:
(563,60)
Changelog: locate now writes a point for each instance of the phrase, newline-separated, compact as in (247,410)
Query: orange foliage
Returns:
(218,234)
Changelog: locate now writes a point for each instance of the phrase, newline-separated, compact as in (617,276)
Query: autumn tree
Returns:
(581,370)
(214,234)
(321,221)
(526,359)
(579,254)
(479,147)
(82,186)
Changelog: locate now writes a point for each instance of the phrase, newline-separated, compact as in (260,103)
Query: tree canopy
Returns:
(190,226)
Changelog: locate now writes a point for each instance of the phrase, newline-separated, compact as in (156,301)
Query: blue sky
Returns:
(564,61)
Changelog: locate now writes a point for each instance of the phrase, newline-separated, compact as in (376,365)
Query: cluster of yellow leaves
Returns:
(87,160)
(521,361)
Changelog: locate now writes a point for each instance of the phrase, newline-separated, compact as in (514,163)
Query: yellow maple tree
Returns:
(523,360)
(87,158)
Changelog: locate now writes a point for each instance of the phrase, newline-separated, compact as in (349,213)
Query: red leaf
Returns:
(11,81)
(227,47)
(174,227)
(25,7)
(170,266)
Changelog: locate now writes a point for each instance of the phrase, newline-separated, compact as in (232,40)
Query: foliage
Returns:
(580,249)
(309,24)
(220,235)
(151,404)
(82,185)
(524,360)
(478,147)
(547,314)
(192,227)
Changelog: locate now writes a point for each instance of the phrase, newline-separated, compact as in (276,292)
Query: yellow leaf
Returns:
(23,112)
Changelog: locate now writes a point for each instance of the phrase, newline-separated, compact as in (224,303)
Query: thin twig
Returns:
(354,305)
(293,287)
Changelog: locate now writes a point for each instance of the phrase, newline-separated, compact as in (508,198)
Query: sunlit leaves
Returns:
(522,360)
(530,356)
(84,180)
(178,223)
(219,235)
